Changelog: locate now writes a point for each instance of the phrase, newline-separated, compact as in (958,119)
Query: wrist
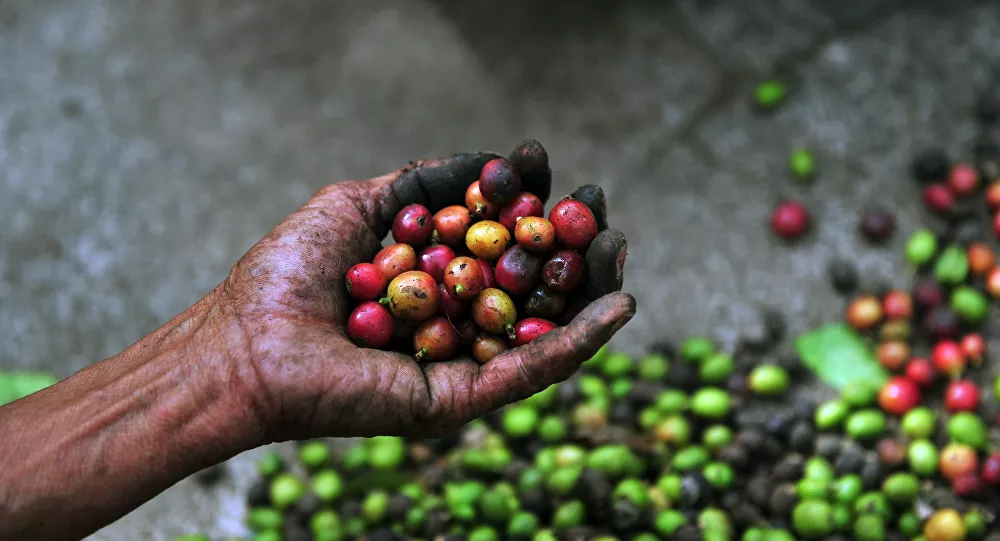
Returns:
(182,395)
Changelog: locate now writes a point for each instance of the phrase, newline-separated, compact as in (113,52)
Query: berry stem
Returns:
(385,301)
(421,355)
(459,288)
(509,327)
(480,208)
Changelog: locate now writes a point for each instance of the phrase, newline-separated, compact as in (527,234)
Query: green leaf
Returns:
(839,356)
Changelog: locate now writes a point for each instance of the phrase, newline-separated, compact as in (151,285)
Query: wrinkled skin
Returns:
(309,380)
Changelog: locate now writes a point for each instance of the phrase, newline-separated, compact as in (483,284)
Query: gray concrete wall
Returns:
(146,145)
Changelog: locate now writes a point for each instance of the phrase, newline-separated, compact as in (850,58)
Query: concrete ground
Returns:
(146,145)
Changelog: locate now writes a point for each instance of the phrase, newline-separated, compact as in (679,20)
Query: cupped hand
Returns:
(289,298)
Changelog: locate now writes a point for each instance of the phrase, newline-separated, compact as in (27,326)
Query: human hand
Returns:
(306,379)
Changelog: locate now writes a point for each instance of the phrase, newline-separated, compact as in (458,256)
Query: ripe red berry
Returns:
(370,325)
(981,258)
(961,395)
(897,304)
(927,294)
(433,260)
(564,271)
(530,328)
(790,220)
(921,371)
(993,283)
(974,347)
(451,224)
(893,354)
(967,484)
(956,460)
(435,340)
(450,307)
(489,279)
(938,197)
(413,225)
(991,469)
(948,358)
(525,204)
(499,182)
(365,282)
(899,395)
(575,224)
(993,196)
(864,312)
(963,179)
(518,270)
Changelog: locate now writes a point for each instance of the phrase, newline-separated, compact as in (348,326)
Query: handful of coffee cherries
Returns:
(481,278)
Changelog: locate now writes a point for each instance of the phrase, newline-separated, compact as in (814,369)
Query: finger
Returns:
(434,184)
(551,358)
(531,161)
(606,263)
(593,196)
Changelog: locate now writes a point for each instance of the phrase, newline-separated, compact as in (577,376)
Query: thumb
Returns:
(552,357)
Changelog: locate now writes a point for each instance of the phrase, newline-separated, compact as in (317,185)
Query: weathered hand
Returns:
(309,380)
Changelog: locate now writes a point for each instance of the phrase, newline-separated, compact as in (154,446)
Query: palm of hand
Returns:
(288,294)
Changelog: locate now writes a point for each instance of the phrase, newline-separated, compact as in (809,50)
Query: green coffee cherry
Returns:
(847,488)
(719,474)
(768,380)
(314,455)
(952,266)
(327,485)
(968,428)
(617,365)
(812,518)
(865,424)
(495,506)
(869,527)
(690,458)
(831,414)
(919,422)
(769,94)
(355,458)
(270,464)
(386,452)
(522,525)
(716,437)
(802,164)
(667,522)
(375,506)
(520,421)
(716,368)
(562,481)
(264,518)
(483,533)
(710,403)
(552,429)
(671,401)
(325,522)
(901,488)
(969,304)
(568,515)
(921,247)
(922,457)
(286,489)
(634,491)
(544,398)
(620,388)
(654,368)
(696,349)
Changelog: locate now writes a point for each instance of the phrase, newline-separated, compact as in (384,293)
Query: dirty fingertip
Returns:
(606,263)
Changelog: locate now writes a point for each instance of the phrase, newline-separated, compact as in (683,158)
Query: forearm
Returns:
(82,453)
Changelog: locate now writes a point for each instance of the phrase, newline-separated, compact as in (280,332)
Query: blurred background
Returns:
(147,145)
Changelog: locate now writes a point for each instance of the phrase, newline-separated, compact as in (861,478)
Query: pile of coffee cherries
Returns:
(480,278)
